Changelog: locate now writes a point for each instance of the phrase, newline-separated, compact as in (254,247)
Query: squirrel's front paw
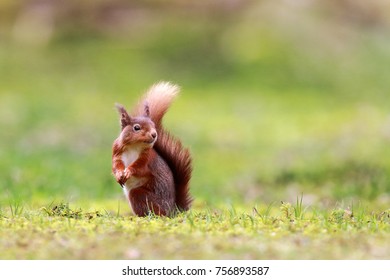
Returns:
(126,174)
(119,177)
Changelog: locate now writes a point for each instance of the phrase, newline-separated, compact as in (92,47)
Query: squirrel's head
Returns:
(137,130)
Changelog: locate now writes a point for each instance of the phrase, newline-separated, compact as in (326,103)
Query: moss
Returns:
(209,234)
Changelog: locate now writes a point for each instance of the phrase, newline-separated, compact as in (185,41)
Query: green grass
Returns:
(67,233)
(291,157)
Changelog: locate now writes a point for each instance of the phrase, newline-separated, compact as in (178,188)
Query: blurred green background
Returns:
(279,98)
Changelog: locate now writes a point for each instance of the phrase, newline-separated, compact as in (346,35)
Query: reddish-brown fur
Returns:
(157,180)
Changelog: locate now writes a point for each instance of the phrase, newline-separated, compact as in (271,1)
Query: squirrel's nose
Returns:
(154,134)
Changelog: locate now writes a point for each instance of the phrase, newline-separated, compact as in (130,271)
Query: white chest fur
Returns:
(130,155)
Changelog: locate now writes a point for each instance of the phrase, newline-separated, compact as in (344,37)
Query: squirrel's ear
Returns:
(125,117)
(147,110)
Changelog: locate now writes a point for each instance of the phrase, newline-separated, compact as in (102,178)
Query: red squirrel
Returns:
(152,166)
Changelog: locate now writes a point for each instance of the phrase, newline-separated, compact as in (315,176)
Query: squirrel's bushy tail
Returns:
(159,98)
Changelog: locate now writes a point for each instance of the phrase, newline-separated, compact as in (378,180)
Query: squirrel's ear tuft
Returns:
(146,110)
(125,117)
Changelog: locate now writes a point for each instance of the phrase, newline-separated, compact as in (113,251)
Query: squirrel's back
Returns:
(159,98)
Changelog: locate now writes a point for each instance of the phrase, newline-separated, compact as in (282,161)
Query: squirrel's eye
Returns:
(136,127)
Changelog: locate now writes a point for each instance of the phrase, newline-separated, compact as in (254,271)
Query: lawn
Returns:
(291,150)
(285,232)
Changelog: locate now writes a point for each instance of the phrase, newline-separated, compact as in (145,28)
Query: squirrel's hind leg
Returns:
(143,202)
